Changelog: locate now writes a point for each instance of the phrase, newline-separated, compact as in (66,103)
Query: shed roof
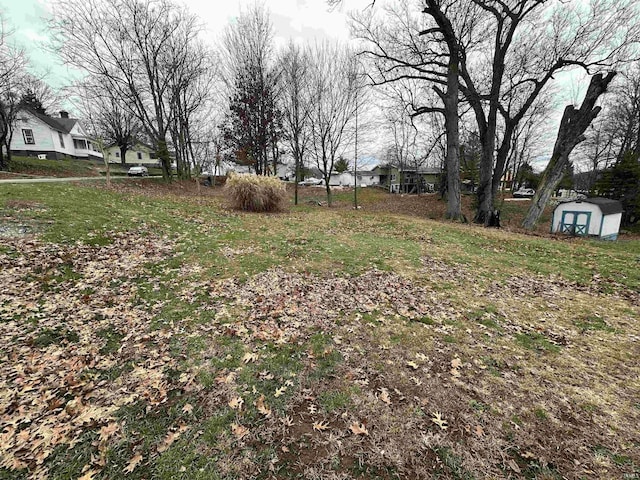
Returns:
(607,206)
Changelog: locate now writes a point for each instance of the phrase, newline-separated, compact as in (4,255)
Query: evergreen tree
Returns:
(622,183)
(30,100)
(341,165)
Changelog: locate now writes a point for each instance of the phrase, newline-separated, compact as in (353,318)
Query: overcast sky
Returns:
(296,19)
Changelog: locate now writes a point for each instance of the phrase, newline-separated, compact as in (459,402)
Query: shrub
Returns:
(254,193)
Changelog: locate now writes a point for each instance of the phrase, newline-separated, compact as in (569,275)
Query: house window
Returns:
(27,134)
(139,155)
(117,154)
(61,139)
(393,177)
(79,144)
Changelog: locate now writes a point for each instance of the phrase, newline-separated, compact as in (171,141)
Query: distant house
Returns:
(597,216)
(408,179)
(344,179)
(139,154)
(367,178)
(37,134)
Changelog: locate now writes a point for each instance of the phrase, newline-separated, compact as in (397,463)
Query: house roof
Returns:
(419,170)
(64,125)
(606,205)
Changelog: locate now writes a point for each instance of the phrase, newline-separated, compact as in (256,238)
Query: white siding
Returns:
(131,156)
(68,143)
(594,223)
(41,134)
(611,224)
(368,179)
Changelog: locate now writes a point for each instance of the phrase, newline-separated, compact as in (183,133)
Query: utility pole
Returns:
(355,161)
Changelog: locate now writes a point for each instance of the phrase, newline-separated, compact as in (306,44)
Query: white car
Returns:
(524,193)
(311,181)
(138,171)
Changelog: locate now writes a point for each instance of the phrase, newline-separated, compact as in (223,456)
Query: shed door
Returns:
(575,223)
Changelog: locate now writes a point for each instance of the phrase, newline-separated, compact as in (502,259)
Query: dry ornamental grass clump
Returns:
(254,193)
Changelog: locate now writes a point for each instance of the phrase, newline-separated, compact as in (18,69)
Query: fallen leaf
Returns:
(167,442)
(358,429)
(239,431)
(413,365)
(108,430)
(417,381)
(188,408)
(479,431)
(280,391)
(262,407)
(236,403)
(456,363)
(438,420)
(384,396)
(249,357)
(133,463)
(285,449)
(228,378)
(320,426)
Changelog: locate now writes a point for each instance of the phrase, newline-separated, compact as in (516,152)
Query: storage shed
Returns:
(599,217)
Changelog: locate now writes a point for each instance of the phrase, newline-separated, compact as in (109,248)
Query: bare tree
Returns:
(113,122)
(333,92)
(406,44)
(137,48)
(13,76)
(571,132)
(296,106)
(508,54)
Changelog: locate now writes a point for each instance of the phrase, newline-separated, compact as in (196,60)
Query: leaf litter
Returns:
(52,393)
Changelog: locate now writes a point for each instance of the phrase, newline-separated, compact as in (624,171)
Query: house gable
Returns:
(38,134)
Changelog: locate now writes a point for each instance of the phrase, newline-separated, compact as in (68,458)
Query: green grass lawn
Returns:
(153,333)
(67,167)
(57,168)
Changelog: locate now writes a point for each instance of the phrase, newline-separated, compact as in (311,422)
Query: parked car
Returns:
(524,193)
(310,181)
(138,171)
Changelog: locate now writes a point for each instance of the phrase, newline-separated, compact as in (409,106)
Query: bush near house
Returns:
(253,193)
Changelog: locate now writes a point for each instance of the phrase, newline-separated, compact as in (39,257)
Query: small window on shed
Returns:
(61,138)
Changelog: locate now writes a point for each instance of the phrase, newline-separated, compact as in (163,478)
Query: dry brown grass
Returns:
(254,193)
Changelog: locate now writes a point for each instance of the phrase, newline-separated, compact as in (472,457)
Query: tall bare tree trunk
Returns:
(571,132)
(450,98)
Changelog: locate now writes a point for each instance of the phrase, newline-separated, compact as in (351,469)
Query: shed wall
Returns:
(611,225)
(594,222)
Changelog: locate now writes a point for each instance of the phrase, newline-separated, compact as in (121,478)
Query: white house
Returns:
(599,217)
(37,134)
(368,178)
(344,179)
(139,154)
